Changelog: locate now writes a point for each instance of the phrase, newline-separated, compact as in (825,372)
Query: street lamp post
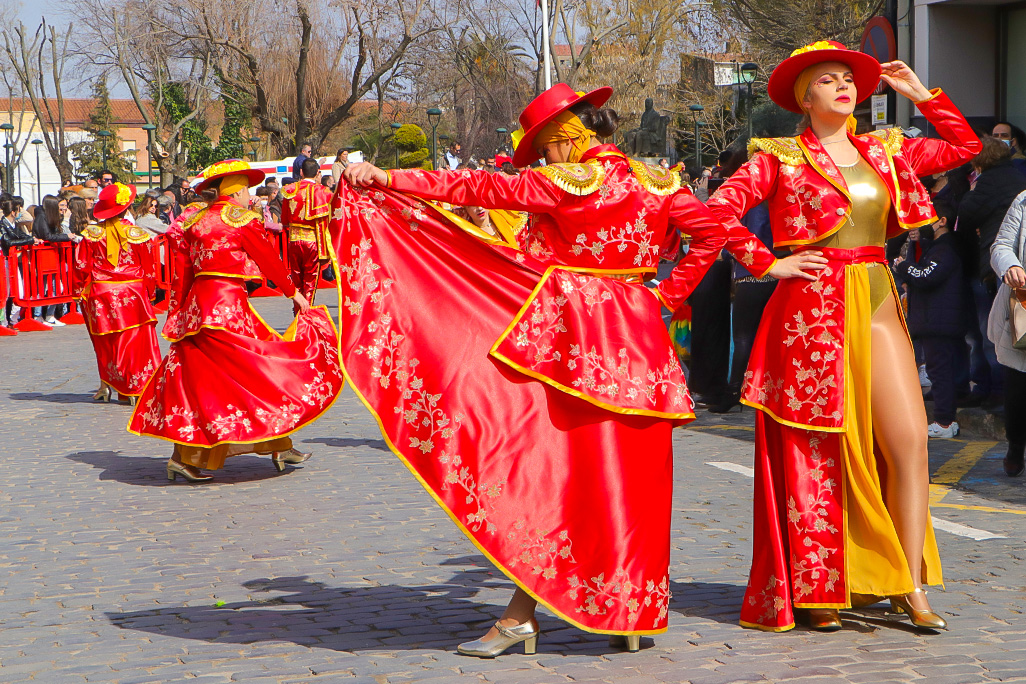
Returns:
(502,133)
(7,128)
(39,188)
(696,111)
(254,140)
(434,116)
(749,70)
(395,129)
(149,128)
(104,135)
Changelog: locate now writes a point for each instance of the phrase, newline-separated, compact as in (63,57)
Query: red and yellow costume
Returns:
(230,383)
(304,213)
(114,280)
(531,388)
(822,531)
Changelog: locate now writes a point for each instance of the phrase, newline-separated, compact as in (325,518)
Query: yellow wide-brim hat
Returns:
(229,167)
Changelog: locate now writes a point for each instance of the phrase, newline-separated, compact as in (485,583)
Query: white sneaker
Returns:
(54,322)
(924,379)
(935,430)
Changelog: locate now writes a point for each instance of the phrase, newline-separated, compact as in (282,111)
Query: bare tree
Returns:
(171,86)
(307,67)
(39,62)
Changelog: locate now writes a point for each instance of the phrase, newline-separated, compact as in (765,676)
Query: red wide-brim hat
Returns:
(864,68)
(229,167)
(544,109)
(113,200)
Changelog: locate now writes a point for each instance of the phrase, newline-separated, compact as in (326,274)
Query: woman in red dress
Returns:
(532,387)
(113,280)
(841,473)
(230,383)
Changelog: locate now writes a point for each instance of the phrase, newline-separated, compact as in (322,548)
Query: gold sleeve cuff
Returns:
(388,178)
(768,269)
(934,92)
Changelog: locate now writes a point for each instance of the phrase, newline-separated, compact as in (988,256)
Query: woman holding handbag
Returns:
(1006,327)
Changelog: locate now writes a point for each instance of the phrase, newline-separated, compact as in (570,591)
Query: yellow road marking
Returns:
(959,465)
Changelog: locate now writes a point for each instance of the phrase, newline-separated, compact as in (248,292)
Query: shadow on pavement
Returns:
(709,600)
(152,472)
(63,398)
(348,442)
(312,614)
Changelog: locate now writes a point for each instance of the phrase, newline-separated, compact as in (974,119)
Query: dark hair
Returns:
(341,151)
(104,172)
(731,161)
(270,179)
(993,153)
(603,121)
(79,215)
(263,191)
(946,211)
(310,167)
(326,179)
(509,169)
(6,204)
(19,202)
(1017,133)
(52,211)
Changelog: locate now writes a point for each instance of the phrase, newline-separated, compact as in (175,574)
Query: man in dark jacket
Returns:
(937,300)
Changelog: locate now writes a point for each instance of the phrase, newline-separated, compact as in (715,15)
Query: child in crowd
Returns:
(937,300)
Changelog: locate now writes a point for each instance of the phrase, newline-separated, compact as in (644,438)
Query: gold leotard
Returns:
(867,225)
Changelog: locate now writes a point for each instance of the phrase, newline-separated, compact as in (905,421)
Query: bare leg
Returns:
(520,610)
(899,428)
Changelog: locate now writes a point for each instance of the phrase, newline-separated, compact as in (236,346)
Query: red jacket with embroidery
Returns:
(808,198)
(304,213)
(606,213)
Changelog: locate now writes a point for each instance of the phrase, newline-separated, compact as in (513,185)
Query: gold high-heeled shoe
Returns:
(823,619)
(507,636)
(926,619)
(174,469)
(631,642)
(103,394)
(292,457)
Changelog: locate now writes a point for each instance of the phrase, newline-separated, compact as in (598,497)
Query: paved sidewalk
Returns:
(344,570)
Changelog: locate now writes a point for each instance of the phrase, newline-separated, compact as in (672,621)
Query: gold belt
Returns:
(302,234)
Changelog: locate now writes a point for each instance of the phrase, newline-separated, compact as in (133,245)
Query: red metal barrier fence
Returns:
(41,275)
(4,294)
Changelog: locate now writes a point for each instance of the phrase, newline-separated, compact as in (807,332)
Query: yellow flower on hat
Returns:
(818,45)
(124,195)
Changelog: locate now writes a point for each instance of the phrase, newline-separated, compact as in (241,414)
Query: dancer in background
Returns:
(304,214)
(842,480)
(231,384)
(113,279)
(533,391)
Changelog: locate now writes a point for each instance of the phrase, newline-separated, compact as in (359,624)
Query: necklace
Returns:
(832,142)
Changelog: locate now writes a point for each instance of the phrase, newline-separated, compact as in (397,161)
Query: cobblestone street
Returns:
(344,569)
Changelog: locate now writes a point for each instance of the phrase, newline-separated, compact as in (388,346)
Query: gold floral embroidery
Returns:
(809,517)
(600,594)
(815,383)
(636,235)
(770,599)
(538,549)
(236,217)
(893,139)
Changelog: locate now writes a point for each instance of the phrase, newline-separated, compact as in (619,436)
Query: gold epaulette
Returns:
(577,179)
(236,217)
(786,150)
(192,219)
(656,179)
(892,139)
(137,235)
(93,232)
(290,190)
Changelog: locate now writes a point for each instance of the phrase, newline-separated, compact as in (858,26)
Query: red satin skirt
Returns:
(240,382)
(123,331)
(566,492)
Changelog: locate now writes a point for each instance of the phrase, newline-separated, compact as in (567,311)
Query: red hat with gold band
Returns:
(113,200)
(229,167)
(864,69)
(543,109)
